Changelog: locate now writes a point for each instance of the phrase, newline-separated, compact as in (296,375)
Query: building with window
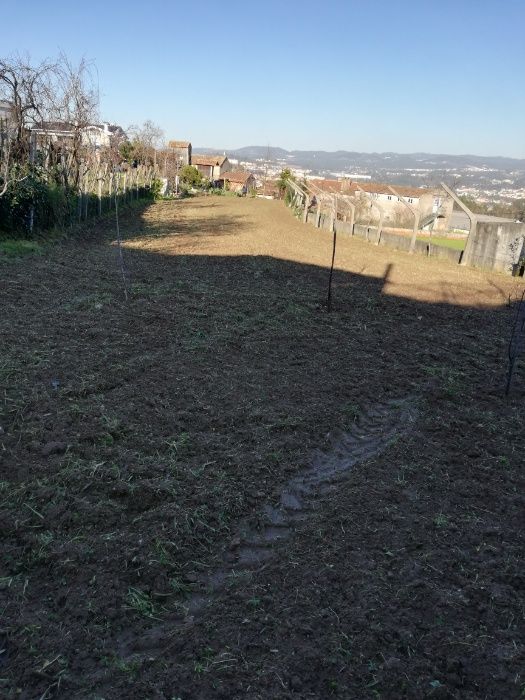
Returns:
(238,181)
(92,136)
(433,206)
(211,167)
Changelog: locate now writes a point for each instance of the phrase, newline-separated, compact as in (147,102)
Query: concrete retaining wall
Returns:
(497,246)
(494,247)
(393,240)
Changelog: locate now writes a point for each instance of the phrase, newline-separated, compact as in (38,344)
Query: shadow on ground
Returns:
(137,436)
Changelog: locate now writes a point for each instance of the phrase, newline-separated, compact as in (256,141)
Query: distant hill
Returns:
(344,160)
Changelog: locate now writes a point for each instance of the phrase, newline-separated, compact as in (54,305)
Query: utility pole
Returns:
(334,244)
(379,209)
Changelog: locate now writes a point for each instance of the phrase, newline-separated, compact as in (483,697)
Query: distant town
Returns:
(484,179)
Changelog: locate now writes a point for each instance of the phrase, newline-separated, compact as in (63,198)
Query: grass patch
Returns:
(12,248)
(454,243)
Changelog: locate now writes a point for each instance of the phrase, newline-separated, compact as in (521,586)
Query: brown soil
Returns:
(219,490)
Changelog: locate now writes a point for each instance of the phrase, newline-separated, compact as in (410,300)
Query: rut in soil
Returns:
(254,544)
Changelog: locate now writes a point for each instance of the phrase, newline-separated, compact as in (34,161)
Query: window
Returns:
(410,200)
(389,196)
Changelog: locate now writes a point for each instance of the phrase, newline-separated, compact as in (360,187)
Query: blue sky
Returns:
(372,75)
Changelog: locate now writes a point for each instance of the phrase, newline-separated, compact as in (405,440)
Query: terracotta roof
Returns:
(270,187)
(238,176)
(332,186)
(208,160)
(349,187)
(179,144)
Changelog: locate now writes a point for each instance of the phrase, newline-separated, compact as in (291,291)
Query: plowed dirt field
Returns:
(216,489)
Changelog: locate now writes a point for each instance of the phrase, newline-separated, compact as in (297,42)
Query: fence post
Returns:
(86,195)
(465,259)
(305,212)
(380,209)
(79,203)
(99,181)
(110,188)
(415,213)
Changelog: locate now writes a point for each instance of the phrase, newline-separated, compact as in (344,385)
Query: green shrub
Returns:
(156,189)
(35,202)
(26,204)
(189,175)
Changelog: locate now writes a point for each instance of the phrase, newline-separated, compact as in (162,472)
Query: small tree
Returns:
(27,89)
(76,103)
(146,141)
(190,176)
(127,151)
(364,212)
(284,177)
(402,217)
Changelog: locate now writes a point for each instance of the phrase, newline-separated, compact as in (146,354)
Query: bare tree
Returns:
(77,106)
(40,96)
(402,218)
(25,89)
(364,212)
(147,140)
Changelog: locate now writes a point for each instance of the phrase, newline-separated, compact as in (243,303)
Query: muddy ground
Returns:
(216,489)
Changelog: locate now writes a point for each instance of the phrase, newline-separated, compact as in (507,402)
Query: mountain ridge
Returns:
(371,159)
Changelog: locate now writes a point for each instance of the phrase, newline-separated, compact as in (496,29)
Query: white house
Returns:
(433,206)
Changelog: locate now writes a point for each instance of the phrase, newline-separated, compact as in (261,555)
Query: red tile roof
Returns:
(350,187)
(241,177)
(208,160)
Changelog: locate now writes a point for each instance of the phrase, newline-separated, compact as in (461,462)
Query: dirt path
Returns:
(218,490)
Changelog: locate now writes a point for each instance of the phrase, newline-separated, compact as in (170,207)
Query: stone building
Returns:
(211,167)
(181,150)
(238,181)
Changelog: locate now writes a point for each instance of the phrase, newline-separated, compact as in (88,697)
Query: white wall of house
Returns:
(218,170)
(425,205)
(96,136)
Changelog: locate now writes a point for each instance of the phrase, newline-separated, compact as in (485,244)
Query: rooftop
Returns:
(238,176)
(348,186)
(54,127)
(208,160)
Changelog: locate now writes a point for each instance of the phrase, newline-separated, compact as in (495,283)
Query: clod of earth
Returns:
(53,448)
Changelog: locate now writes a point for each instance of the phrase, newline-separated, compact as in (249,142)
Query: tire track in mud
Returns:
(253,545)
